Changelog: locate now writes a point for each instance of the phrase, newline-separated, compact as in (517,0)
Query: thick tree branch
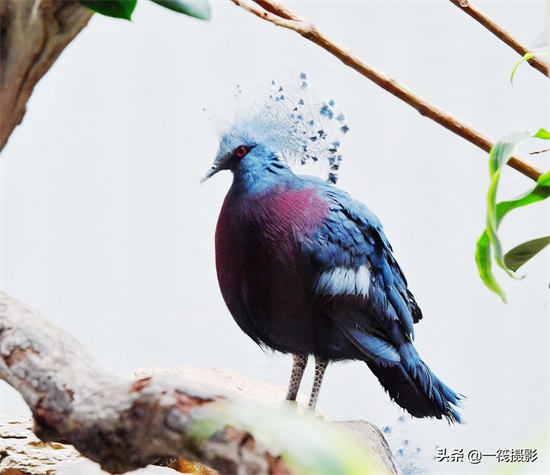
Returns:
(501,33)
(278,13)
(122,425)
(34,33)
(125,425)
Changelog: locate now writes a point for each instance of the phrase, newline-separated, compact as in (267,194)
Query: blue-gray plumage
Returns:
(306,269)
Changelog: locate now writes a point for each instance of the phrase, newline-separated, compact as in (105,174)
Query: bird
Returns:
(306,269)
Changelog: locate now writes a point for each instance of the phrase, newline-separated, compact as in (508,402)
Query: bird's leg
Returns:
(320,367)
(298,366)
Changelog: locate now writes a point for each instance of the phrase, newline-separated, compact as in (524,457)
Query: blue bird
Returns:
(306,269)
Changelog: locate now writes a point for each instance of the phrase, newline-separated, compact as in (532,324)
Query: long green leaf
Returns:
(519,255)
(539,193)
(484,264)
(501,152)
(113,8)
(526,57)
(198,8)
(499,156)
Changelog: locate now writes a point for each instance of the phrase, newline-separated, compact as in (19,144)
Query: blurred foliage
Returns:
(308,446)
(124,8)
(539,441)
(489,241)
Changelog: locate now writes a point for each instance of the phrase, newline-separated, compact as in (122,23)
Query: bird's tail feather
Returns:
(413,386)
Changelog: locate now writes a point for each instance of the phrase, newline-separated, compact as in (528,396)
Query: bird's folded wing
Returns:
(353,263)
(375,348)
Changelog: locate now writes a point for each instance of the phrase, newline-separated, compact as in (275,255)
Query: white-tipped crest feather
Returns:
(303,130)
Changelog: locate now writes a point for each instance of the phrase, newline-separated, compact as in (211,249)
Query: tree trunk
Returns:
(33,34)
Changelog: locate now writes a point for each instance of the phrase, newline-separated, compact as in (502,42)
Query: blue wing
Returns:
(353,262)
(359,285)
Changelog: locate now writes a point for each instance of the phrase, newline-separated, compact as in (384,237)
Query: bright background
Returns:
(106,230)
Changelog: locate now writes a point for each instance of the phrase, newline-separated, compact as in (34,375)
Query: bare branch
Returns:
(501,33)
(278,13)
(34,33)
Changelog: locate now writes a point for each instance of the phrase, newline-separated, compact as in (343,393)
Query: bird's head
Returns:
(288,126)
(247,145)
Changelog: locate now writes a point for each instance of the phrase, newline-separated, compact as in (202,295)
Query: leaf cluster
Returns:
(489,241)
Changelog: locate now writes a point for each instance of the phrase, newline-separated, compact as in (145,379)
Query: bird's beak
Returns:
(211,172)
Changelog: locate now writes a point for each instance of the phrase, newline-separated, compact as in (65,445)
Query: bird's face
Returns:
(241,147)
(228,159)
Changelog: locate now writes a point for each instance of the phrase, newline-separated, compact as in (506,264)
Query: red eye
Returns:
(241,151)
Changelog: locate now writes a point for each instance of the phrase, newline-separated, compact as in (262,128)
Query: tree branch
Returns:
(125,425)
(278,13)
(501,34)
(34,33)
(122,425)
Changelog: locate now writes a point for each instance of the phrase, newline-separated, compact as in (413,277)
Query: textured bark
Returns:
(33,34)
(122,425)
(167,415)
(22,453)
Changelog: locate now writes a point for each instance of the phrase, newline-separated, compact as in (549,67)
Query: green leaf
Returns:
(198,9)
(113,8)
(518,256)
(542,134)
(484,264)
(539,193)
(501,152)
(526,57)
